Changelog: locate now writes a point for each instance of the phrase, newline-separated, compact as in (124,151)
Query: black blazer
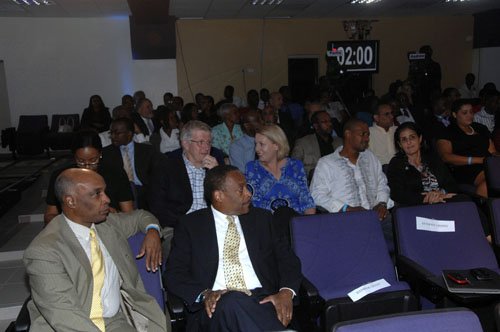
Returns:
(136,117)
(406,184)
(145,159)
(170,195)
(194,259)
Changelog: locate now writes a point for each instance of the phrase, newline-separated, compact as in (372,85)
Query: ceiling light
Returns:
(34,2)
(456,0)
(266,2)
(355,2)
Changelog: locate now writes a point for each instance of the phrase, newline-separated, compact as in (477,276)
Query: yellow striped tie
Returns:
(97,263)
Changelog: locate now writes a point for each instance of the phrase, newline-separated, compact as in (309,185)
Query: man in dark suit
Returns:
(143,117)
(227,263)
(137,159)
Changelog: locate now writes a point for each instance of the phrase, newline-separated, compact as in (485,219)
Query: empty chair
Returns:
(492,173)
(452,320)
(422,254)
(31,135)
(62,130)
(494,205)
(339,253)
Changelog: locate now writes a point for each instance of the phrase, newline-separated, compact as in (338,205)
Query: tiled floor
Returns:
(14,287)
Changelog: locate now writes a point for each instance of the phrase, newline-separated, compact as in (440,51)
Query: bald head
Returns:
(81,194)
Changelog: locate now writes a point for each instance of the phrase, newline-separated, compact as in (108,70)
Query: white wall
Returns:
(486,65)
(53,65)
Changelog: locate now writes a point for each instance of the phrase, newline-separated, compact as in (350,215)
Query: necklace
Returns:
(472,131)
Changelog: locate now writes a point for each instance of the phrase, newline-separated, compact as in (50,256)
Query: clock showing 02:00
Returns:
(355,55)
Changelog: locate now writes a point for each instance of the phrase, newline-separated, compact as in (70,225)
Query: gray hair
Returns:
(188,128)
(63,186)
(224,109)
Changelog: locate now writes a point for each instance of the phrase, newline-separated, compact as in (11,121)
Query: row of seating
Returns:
(341,252)
(33,136)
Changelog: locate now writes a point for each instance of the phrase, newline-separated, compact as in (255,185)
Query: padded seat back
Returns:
(340,252)
(465,248)
(492,172)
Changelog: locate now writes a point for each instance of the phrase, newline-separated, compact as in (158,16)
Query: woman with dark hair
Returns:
(86,149)
(464,145)
(414,176)
(167,138)
(96,116)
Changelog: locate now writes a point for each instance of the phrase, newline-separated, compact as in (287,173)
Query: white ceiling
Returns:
(214,9)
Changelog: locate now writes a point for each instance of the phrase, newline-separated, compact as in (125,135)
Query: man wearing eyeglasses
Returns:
(177,188)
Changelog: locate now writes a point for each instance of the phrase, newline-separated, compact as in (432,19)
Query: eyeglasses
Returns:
(201,143)
(88,164)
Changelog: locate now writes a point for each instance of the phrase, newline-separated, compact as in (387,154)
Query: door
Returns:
(302,77)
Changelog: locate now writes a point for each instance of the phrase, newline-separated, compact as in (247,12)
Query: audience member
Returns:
(177,188)
(168,98)
(189,112)
(229,98)
(264,98)
(464,145)
(121,112)
(416,177)
(86,149)
(275,180)
(351,178)
(486,116)
(220,273)
(283,119)
(468,90)
(167,138)
(407,113)
(451,95)
(136,159)
(177,105)
(310,148)
(198,98)
(208,112)
(225,133)
(138,96)
(382,134)
(143,118)
(335,108)
(81,270)
(128,103)
(437,121)
(310,107)
(242,150)
(295,110)
(96,115)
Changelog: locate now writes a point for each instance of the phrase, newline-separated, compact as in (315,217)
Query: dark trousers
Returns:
(236,311)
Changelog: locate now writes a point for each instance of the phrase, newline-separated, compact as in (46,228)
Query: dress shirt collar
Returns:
(189,164)
(219,214)
(81,232)
(130,146)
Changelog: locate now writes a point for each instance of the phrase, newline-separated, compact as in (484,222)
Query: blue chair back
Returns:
(465,248)
(340,252)
(152,281)
(456,320)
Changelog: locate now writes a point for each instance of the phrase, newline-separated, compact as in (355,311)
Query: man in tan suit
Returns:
(310,148)
(58,263)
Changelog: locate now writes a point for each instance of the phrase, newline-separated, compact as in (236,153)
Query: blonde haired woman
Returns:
(274,179)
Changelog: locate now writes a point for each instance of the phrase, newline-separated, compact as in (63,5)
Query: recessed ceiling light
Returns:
(355,2)
(456,0)
(34,2)
(266,2)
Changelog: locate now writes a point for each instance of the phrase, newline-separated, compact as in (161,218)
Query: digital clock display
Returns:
(355,55)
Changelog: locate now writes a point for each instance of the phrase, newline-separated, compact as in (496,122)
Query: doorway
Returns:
(4,99)
(302,77)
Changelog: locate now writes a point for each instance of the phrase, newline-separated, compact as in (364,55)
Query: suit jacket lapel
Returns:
(75,246)
(209,244)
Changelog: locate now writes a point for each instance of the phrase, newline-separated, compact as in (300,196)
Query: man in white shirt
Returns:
(59,263)
(201,268)
(486,116)
(351,178)
(382,134)
(469,90)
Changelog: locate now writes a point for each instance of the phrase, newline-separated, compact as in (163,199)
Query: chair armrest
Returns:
(310,299)
(176,306)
